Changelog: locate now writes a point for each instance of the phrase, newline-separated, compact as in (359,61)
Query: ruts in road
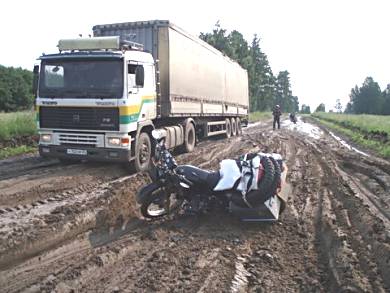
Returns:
(76,227)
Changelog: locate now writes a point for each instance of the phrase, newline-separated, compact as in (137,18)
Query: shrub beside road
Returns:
(18,133)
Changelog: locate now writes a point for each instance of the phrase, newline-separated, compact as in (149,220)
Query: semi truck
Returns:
(99,98)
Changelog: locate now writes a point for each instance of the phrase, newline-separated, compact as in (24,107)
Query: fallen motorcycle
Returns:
(249,187)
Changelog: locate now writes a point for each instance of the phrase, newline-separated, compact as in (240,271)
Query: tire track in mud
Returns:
(53,202)
(28,232)
(206,282)
(51,198)
(327,240)
(372,183)
(43,183)
(344,223)
(19,166)
(220,153)
(337,248)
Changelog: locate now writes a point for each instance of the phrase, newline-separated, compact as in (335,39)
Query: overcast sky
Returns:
(327,46)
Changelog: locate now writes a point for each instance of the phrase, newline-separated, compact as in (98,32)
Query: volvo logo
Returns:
(76,118)
(49,102)
(108,103)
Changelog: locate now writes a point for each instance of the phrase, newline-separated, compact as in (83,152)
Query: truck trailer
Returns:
(100,97)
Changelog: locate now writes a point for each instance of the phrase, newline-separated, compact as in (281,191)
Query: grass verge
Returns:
(14,151)
(368,124)
(259,116)
(358,132)
(17,133)
(17,124)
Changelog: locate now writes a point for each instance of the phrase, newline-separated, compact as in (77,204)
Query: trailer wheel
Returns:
(228,128)
(189,138)
(234,127)
(143,152)
(238,126)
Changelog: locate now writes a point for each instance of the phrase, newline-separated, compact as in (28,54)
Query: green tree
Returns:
(262,83)
(15,89)
(367,99)
(386,101)
(284,97)
(262,86)
(305,109)
(217,39)
(320,108)
(348,108)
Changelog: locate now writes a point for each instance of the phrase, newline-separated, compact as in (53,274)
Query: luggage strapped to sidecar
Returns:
(251,168)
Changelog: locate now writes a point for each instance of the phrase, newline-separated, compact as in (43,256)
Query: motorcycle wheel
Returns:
(152,199)
(256,197)
(276,180)
(265,185)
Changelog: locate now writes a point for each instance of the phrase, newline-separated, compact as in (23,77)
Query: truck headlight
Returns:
(119,141)
(45,137)
(114,140)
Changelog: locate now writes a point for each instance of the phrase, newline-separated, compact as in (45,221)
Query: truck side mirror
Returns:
(139,76)
(35,80)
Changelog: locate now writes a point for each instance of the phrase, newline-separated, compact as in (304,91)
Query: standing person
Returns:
(277,113)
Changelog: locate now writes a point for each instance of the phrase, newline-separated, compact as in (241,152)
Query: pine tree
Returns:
(320,108)
(263,85)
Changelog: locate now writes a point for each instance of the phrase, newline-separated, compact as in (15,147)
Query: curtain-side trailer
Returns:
(99,98)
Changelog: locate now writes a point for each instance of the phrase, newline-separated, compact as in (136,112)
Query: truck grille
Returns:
(79,118)
(75,139)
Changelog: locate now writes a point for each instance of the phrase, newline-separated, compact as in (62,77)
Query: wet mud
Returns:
(76,228)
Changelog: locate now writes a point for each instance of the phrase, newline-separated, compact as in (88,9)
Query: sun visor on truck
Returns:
(96,43)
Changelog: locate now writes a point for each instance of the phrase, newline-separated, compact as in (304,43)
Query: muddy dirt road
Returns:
(76,228)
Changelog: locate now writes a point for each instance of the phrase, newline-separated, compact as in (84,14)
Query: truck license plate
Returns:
(76,152)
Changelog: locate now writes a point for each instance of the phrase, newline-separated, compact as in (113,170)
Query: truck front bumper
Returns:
(86,153)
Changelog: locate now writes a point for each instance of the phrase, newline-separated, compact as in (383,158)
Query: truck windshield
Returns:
(81,78)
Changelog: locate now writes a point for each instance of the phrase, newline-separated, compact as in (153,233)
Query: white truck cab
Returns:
(92,96)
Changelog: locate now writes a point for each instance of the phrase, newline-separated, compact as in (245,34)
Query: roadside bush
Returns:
(15,89)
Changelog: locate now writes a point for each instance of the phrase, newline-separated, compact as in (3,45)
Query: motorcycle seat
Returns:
(199,176)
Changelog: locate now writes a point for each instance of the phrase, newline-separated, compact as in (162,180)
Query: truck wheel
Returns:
(234,127)
(143,151)
(228,128)
(189,138)
(238,126)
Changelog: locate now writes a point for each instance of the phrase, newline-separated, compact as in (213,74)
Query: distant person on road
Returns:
(277,113)
(293,118)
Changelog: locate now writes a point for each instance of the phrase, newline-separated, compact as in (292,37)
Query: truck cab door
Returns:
(142,88)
